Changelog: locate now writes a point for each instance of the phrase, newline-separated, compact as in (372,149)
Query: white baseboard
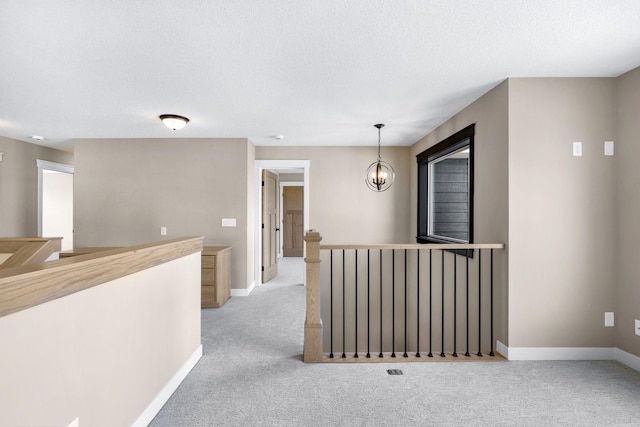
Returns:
(502,349)
(628,359)
(561,353)
(243,292)
(569,353)
(156,404)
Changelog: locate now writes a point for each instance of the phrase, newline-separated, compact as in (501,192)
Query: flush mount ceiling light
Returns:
(37,137)
(173,121)
(380,174)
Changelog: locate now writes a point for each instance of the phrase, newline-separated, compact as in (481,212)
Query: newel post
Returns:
(313,322)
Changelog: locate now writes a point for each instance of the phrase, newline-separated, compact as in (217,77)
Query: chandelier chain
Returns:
(379,144)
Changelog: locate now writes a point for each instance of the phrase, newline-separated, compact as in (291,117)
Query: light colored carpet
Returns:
(251,374)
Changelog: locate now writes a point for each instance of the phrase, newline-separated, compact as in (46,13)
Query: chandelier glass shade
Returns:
(380,174)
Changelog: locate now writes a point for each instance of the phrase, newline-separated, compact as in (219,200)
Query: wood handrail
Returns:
(34,284)
(86,250)
(28,250)
(438,246)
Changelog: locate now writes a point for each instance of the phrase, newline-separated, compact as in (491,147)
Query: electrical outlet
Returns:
(608,319)
(163,231)
(637,327)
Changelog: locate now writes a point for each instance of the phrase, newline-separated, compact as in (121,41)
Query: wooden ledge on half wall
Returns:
(33,284)
(27,250)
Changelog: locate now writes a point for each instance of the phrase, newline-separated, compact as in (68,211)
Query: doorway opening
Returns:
(291,217)
(288,174)
(55,201)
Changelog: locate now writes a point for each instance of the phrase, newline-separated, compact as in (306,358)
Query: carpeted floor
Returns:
(251,374)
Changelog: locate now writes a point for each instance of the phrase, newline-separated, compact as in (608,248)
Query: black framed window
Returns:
(445,190)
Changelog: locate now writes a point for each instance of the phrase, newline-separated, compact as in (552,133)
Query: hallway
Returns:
(251,374)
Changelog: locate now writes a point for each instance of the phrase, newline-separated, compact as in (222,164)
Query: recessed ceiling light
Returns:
(37,137)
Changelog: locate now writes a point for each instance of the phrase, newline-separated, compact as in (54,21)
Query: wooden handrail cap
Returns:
(312,236)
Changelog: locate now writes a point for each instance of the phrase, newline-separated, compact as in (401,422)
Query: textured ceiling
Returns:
(319,72)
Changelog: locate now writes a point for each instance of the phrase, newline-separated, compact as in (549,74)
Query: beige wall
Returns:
(291,177)
(568,222)
(103,354)
(126,189)
(342,208)
(491,183)
(19,185)
(560,212)
(627,203)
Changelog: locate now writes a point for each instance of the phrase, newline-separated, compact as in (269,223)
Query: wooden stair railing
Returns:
(450,284)
(28,250)
(313,323)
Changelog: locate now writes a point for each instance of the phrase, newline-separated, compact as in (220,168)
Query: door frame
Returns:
(52,166)
(275,164)
(281,233)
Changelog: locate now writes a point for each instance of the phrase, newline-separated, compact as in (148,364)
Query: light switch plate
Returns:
(608,148)
(637,327)
(608,319)
(228,222)
(577,149)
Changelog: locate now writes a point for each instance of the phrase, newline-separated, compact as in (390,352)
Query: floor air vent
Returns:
(394,372)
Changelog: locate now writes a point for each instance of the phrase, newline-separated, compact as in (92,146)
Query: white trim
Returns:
(628,359)
(158,402)
(502,349)
(560,353)
(275,164)
(569,353)
(243,292)
(281,233)
(52,166)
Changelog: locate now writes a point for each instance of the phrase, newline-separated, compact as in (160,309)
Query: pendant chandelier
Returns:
(380,174)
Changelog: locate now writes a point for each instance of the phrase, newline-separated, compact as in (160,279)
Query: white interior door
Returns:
(57,207)
(269,226)
(55,201)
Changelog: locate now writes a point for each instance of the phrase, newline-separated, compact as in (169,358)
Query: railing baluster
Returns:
(331,294)
(344,355)
(491,353)
(368,304)
(393,303)
(467,354)
(380,355)
(355,355)
(480,302)
(412,319)
(405,304)
(455,304)
(418,303)
(442,311)
(430,302)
